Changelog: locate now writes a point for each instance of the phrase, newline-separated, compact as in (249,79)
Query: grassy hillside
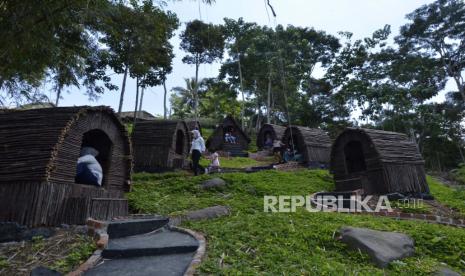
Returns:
(251,241)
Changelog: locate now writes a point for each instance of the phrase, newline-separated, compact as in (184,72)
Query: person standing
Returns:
(277,150)
(197,147)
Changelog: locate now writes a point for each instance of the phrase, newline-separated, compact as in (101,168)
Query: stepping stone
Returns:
(445,271)
(130,227)
(213,183)
(166,265)
(157,243)
(43,271)
(382,247)
(208,213)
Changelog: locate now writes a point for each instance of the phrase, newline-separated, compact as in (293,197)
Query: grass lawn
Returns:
(237,162)
(251,242)
(454,198)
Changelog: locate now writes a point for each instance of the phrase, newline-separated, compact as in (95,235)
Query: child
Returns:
(214,164)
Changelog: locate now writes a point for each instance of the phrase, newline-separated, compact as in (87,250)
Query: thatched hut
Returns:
(217,140)
(379,162)
(275,132)
(160,145)
(39,149)
(314,144)
(128,116)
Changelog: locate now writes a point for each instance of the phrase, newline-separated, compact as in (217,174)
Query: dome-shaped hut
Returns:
(160,145)
(379,162)
(314,144)
(269,130)
(39,149)
(217,141)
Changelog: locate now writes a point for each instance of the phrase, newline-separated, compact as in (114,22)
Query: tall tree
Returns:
(205,44)
(437,30)
(137,38)
(239,35)
(52,37)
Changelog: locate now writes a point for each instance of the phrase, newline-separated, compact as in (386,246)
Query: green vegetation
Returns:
(64,252)
(207,132)
(459,174)
(251,242)
(129,127)
(79,252)
(237,162)
(448,196)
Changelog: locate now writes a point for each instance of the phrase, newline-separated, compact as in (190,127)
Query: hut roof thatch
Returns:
(382,161)
(314,143)
(31,140)
(276,131)
(157,145)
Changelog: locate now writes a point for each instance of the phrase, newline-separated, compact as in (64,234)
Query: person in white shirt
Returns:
(89,171)
(197,148)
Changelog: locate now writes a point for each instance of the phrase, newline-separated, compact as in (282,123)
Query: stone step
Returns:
(131,227)
(172,265)
(157,243)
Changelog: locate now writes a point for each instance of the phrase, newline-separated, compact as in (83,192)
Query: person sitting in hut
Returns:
(89,170)
(197,147)
(277,150)
(214,164)
(233,139)
(292,155)
(268,141)
(229,138)
(288,155)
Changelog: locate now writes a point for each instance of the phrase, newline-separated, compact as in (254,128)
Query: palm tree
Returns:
(185,96)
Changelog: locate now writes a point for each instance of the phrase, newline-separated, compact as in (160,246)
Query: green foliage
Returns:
(207,132)
(38,243)
(204,42)
(459,174)
(448,196)
(436,30)
(79,252)
(251,242)
(4,262)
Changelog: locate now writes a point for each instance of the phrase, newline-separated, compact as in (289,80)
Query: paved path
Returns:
(158,250)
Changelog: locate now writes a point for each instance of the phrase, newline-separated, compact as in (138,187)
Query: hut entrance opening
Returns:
(100,141)
(293,143)
(179,142)
(354,157)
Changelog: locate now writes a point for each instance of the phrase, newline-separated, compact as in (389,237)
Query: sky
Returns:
(360,17)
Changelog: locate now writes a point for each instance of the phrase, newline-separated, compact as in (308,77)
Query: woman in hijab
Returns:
(197,147)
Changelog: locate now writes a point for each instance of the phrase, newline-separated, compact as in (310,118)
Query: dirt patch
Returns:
(63,252)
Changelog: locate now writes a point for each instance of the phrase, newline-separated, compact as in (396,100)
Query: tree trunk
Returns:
(58,95)
(461,152)
(460,87)
(196,94)
(137,101)
(242,90)
(123,87)
(141,98)
(165,108)
(268,103)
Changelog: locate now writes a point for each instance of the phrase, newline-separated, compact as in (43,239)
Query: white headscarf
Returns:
(196,133)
